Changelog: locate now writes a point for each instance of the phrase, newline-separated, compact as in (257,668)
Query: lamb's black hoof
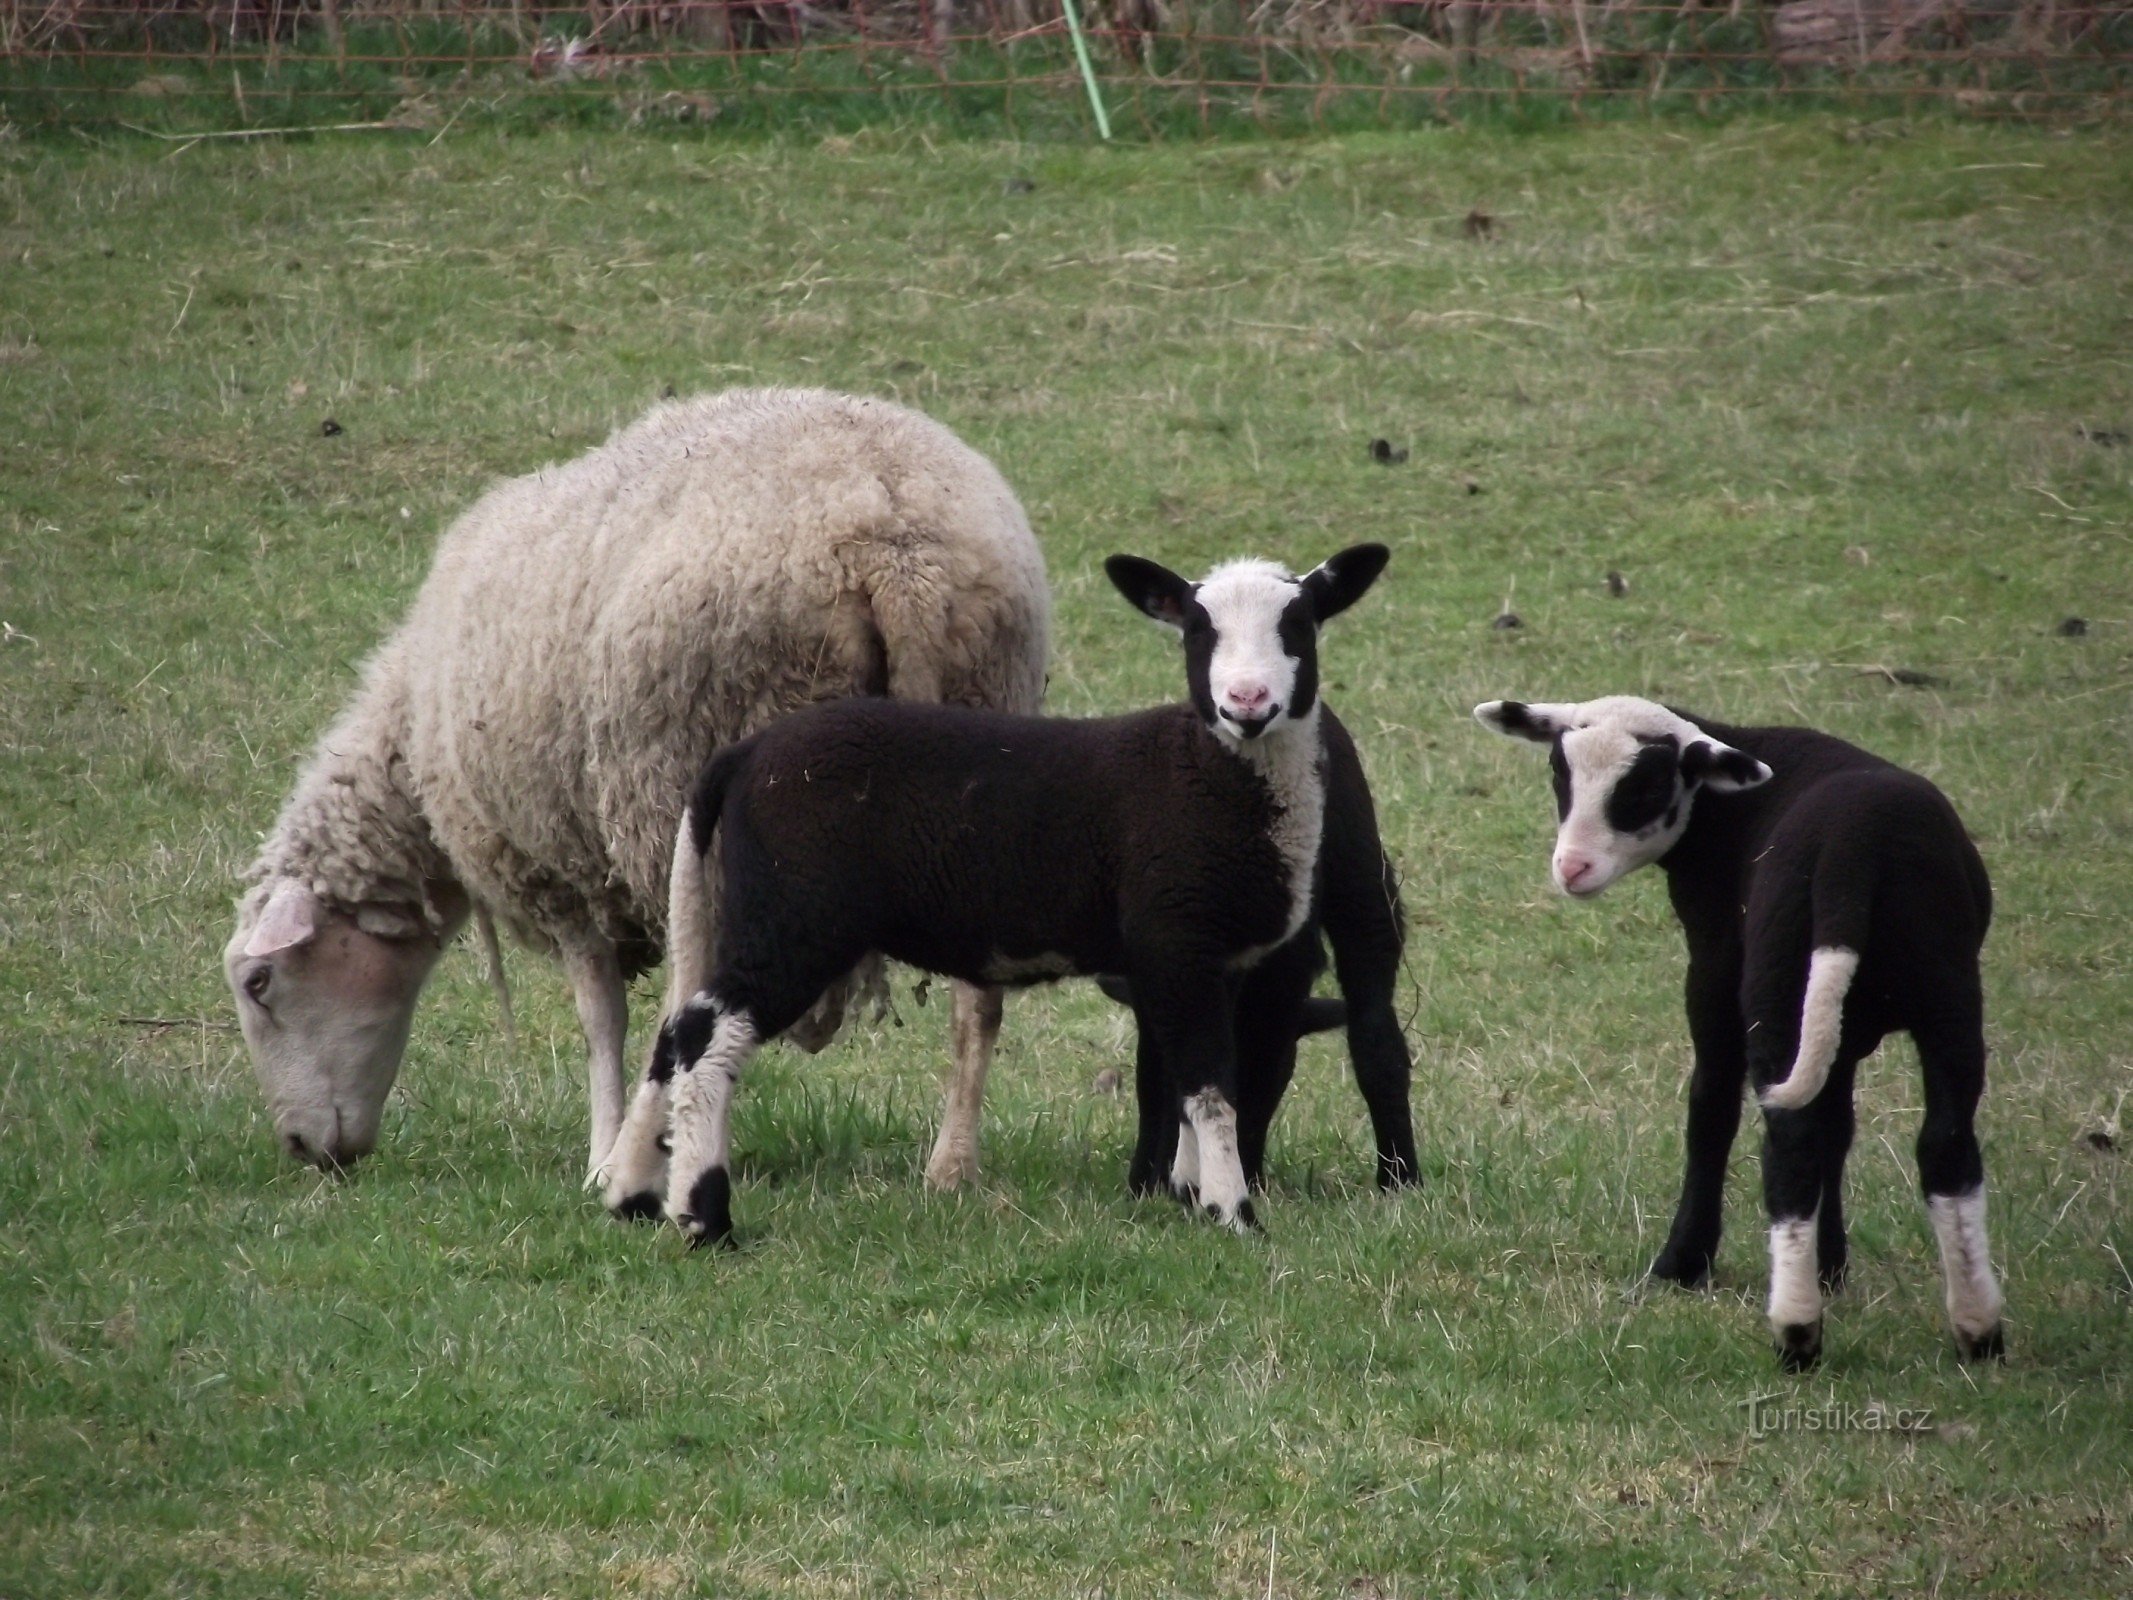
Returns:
(1991,1345)
(641,1207)
(1799,1345)
(1185,1194)
(1691,1269)
(708,1220)
(1831,1275)
(1143,1184)
(1393,1173)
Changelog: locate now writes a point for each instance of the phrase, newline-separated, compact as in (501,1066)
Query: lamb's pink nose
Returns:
(1570,871)
(1249,698)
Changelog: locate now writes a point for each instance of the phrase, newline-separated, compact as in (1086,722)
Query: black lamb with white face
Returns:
(1176,847)
(1829,898)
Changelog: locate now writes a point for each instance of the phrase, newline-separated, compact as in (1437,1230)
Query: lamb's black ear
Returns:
(1339,581)
(1721,768)
(1516,719)
(1151,586)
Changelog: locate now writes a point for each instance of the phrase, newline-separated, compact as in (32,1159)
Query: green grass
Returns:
(1816,387)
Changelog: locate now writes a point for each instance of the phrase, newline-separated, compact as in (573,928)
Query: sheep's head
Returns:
(1626,773)
(1250,630)
(324,997)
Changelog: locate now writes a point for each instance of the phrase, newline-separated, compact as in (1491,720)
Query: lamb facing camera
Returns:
(1175,847)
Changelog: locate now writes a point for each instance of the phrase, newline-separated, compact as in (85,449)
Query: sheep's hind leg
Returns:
(1951,1168)
(1795,1176)
(711,1045)
(976,1027)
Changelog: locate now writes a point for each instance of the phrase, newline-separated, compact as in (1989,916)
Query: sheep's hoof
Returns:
(1831,1275)
(1185,1194)
(1395,1173)
(1799,1345)
(949,1170)
(641,1207)
(1691,1269)
(1991,1345)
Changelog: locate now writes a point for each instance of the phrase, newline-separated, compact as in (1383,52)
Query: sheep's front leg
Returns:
(1715,1084)
(603,1012)
(976,1027)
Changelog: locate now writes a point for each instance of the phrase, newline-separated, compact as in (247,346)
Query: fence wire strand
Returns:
(1164,62)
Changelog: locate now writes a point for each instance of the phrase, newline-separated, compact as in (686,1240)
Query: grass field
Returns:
(1834,397)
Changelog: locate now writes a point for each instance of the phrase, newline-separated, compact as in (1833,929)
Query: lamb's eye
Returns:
(256,981)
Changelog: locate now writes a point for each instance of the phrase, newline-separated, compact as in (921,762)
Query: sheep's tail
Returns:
(498,983)
(1843,896)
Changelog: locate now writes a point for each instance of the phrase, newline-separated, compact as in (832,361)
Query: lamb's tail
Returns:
(1843,894)
(692,883)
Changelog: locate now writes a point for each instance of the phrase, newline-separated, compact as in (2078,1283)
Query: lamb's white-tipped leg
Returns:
(636,1163)
(976,1026)
(1795,1293)
(699,1185)
(1185,1164)
(603,1012)
(1966,1265)
(1213,1131)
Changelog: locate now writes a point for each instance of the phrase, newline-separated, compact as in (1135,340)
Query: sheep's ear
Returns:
(1339,581)
(1152,587)
(1721,768)
(1515,719)
(289,917)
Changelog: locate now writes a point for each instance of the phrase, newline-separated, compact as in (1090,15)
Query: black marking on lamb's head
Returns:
(1250,631)
(1648,790)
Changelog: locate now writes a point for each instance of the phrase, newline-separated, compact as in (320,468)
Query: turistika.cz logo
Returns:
(1782,1413)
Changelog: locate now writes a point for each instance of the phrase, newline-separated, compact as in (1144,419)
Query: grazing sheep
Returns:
(1177,847)
(523,740)
(1829,899)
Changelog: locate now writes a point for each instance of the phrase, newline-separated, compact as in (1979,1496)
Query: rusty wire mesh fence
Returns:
(1156,65)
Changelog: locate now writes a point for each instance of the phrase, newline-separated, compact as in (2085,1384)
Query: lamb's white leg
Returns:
(1966,1265)
(976,1026)
(1213,1132)
(1795,1292)
(637,1162)
(603,1012)
(699,1184)
(1185,1165)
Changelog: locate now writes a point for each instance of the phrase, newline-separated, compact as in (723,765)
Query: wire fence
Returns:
(1150,66)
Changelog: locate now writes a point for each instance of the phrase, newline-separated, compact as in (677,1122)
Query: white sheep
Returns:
(587,634)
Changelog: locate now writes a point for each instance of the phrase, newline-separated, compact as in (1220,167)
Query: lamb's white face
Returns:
(1251,632)
(1626,773)
(1255,628)
(325,1009)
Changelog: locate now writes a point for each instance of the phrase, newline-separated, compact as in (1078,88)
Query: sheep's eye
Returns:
(256,981)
